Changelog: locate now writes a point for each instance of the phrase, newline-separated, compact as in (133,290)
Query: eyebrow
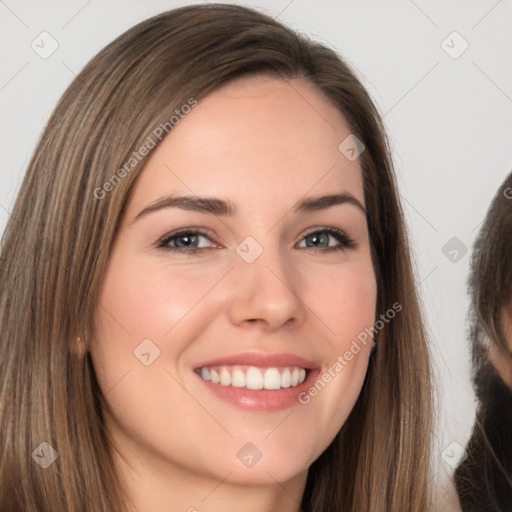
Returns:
(224,208)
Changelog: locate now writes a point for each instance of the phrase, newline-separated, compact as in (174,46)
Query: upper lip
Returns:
(260,360)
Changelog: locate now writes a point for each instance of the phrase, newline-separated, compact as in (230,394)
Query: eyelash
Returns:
(345,242)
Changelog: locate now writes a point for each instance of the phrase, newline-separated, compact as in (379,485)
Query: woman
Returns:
(484,478)
(209,301)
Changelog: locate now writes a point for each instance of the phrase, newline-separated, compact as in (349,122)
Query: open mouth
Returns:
(258,381)
(253,377)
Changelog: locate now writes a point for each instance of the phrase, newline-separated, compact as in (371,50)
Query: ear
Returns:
(502,363)
(79,346)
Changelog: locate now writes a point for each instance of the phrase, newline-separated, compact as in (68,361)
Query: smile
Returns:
(253,377)
(257,381)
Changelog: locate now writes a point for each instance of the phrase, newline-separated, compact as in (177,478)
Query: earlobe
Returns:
(79,346)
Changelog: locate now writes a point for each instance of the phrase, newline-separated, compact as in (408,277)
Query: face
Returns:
(219,313)
(499,358)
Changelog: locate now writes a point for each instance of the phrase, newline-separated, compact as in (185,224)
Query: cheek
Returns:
(345,300)
(141,300)
(140,307)
(502,364)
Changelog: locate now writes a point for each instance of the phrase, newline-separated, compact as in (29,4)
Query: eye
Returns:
(321,239)
(186,240)
(191,241)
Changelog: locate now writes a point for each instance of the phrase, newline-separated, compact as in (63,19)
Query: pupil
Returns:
(189,240)
(317,239)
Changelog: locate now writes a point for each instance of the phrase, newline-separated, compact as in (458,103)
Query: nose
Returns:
(266,293)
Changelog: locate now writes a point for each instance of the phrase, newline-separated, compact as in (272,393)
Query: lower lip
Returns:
(261,400)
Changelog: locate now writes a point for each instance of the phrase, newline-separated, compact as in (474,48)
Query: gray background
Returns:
(448,117)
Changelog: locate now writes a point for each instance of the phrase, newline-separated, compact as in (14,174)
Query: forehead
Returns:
(254,135)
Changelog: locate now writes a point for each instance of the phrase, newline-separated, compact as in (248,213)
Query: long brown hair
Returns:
(484,478)
(58,239)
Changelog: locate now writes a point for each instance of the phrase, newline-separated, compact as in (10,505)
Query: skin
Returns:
(177,441)
(500,359)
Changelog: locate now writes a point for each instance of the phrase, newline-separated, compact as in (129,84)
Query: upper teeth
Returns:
(252,377)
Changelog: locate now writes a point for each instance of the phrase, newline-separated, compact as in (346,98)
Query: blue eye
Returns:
(184,241)
(189,241)
(320,240)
